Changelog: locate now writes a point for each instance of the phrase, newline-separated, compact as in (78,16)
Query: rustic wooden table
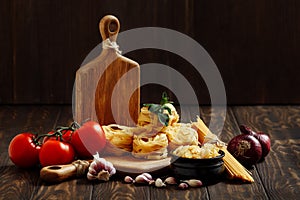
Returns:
(278,177)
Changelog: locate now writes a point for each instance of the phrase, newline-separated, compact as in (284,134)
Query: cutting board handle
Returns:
(109,27)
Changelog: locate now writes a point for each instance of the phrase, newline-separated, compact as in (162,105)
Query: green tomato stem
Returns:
(58,133)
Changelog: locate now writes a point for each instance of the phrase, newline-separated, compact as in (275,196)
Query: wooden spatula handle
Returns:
(109,27)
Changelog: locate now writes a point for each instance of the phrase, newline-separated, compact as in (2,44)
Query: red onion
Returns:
(247,130)
(265,142)
(246,149)
(263,139)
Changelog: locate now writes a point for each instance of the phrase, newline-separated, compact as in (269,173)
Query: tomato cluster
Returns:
(59,146)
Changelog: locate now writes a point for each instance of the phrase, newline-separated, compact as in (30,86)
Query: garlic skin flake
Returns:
(100,169)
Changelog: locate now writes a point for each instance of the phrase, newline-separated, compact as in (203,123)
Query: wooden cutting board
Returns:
(125,165)
(131,165)
(107,88)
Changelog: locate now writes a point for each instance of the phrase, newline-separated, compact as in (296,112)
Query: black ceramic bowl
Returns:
(209,170)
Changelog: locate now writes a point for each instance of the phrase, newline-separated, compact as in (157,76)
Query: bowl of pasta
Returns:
(194,162)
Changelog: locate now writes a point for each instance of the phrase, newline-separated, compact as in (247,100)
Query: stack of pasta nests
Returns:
(150,139)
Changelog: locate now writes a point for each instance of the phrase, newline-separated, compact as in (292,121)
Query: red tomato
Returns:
(23,151)
(67,135)
(88,139)
(46,138)
(56,152)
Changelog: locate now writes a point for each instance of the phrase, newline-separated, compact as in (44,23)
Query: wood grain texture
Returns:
(119,190)
(107,88)
(172,192)
(227,188)
(247,40)
(61,48)
(72,189)
(228,130)
(6,58)
(25,52)
(280,170)
(115,98)
(16,183)
(275,178)
(254,44)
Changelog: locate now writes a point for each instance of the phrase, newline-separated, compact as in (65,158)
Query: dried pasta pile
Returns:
(197,152)
(150,139)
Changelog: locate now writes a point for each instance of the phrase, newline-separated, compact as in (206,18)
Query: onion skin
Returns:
(247,130)
(265,142)
(246,149)
(262,137)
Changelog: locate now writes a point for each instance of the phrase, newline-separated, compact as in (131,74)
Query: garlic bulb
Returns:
(100,169)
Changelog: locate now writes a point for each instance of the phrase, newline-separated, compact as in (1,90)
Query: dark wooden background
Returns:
(254,43)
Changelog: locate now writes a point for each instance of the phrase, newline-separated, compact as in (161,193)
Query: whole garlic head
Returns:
(99,165)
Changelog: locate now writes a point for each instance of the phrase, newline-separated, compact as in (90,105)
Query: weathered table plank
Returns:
(71,189)
(275,178)
(231,189)
(172,192)
(280,171)
(18,183)
(119,190)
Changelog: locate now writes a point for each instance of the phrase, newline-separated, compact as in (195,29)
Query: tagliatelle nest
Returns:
(119,139)
(150,139)
(146,145)
(180,135)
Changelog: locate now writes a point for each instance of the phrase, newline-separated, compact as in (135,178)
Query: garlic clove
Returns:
(128,179)
(141,179)
(183,186)
(91,176)
(93,164)
(147,175)
(92,171)
(100,163)
(159,183)
(170,181)
(194,182)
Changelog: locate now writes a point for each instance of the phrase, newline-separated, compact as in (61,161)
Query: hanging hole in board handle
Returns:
(54,167)
(109,27)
